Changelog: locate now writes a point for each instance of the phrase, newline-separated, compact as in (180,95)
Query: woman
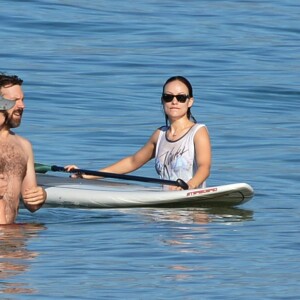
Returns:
(181,148)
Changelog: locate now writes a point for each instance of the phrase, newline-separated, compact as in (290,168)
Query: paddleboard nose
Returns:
(6,104)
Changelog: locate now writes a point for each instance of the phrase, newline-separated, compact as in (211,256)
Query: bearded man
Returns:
(17,173)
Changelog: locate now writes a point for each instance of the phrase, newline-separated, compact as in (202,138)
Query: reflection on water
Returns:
(200,215)
(229,214)
(15,257)
(191,233)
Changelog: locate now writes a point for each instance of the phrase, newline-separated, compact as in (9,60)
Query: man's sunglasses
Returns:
(169,97)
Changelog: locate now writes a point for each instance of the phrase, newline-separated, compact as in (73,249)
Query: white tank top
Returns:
(176,159)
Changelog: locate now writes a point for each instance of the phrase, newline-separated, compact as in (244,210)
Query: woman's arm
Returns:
(203,157)
(129,163)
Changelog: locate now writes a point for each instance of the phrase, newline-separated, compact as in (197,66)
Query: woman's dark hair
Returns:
(190,89)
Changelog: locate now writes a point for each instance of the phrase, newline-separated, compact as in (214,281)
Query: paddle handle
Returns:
(178,182)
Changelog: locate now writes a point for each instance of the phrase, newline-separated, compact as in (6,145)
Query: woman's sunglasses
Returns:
(169,97)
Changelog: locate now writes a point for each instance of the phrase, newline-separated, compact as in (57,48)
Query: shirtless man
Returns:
(17,174)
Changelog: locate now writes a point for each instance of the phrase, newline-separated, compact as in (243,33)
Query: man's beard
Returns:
(12,122)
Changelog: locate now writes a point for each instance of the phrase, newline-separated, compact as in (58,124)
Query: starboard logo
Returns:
(203,191)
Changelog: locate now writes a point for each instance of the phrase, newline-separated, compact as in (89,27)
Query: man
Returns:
(17,174)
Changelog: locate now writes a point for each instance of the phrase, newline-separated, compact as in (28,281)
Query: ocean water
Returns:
(93,73)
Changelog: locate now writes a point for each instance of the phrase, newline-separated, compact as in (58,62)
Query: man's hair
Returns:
(9,80)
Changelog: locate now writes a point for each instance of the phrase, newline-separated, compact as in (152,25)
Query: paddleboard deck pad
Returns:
(70,192)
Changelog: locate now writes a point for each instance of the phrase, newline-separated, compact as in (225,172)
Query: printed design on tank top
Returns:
(176,159)
(172,163)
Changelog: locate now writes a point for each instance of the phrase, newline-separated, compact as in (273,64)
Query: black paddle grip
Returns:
(182,184)
(58,169)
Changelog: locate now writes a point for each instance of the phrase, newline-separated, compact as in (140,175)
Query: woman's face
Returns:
(175,109)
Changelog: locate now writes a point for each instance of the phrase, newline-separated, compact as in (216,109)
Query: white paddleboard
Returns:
(69,192)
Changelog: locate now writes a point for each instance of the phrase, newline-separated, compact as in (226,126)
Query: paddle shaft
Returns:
(178,182)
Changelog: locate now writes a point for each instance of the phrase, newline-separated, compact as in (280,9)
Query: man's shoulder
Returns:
(22,140)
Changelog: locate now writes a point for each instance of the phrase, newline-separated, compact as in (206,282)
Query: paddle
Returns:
(41,168)
(6,104)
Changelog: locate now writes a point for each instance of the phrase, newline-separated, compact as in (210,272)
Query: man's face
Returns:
(14,115)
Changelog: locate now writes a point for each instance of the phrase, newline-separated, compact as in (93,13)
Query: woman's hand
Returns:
(179,188)
(79,175)
(75,175)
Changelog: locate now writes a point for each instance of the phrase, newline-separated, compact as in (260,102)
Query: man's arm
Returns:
(33,196)
(3,186)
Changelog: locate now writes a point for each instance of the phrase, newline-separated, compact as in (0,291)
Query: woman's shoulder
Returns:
(163,128)
(198,130)
(197,127)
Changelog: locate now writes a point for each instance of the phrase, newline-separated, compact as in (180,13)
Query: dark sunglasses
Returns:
(169,97)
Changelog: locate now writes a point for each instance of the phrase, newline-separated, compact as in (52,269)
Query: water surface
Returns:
(93,73)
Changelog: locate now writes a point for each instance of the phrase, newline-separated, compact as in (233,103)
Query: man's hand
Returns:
(34,198)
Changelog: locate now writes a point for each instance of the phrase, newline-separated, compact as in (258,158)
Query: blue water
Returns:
(93,73)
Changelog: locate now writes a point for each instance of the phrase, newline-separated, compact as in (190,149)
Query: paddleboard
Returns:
(70,192)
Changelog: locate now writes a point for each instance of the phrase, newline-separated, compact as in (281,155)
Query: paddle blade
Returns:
(6,104)
(41,168)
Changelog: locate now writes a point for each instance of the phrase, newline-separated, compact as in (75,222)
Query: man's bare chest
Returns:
(13,160)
